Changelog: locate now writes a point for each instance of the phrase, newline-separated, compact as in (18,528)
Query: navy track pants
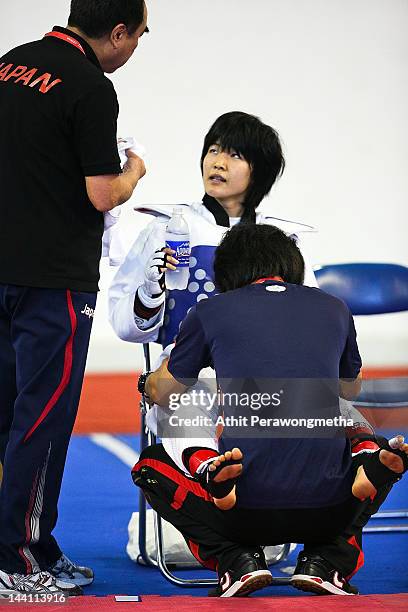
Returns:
(44,338)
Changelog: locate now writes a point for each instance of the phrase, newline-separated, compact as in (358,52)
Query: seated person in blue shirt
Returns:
(274,486)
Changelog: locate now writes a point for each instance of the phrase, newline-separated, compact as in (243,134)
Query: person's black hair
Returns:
(96,18)
(258,144)
(249,252)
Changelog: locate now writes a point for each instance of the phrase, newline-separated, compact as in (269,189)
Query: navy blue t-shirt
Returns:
(277,337)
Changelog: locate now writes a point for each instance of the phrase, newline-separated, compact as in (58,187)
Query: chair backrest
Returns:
(367,288)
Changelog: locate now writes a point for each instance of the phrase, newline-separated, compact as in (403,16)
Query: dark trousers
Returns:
(216,537)
(44,340)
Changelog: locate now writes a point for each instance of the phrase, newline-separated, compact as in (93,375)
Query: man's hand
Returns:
(134,163)
(110,190)
(349,388)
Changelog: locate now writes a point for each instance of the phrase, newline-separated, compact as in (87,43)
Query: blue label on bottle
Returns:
(182,252)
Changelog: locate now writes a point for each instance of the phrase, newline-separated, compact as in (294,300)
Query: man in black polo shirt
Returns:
(59,172)
(281,352)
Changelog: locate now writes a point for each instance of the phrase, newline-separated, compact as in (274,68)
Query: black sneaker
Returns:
(247,574)
(312,573)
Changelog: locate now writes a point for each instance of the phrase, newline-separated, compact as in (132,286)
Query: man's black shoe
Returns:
(312,573)
(246,574)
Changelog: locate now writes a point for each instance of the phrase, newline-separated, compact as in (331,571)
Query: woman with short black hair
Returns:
(241,160)
(253,141)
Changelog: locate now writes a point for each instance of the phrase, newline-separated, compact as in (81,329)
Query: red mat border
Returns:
(184,603)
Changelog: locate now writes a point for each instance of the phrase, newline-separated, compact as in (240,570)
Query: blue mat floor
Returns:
(98,498)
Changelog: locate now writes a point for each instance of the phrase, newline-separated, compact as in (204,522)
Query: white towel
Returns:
(130,143)
(112,244)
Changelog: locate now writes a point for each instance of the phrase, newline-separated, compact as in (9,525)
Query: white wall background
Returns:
(330,75)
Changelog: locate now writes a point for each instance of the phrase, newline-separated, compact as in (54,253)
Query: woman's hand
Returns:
(154,284)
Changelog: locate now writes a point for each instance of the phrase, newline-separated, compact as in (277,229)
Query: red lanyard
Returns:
(262,280)
(68,39)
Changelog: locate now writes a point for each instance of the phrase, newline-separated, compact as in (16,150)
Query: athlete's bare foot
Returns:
(362,487)
(226,473)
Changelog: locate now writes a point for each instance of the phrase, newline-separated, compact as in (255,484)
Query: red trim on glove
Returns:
(198,457)
(369,445)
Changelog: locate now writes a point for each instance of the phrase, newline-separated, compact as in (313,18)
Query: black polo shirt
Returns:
(283,338)
(58,114)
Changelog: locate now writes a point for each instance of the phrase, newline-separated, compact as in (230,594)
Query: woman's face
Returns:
(226,177)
